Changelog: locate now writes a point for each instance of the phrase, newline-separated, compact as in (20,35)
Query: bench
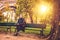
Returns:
(42,26)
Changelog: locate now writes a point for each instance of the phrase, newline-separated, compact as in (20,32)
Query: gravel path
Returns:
(22,37)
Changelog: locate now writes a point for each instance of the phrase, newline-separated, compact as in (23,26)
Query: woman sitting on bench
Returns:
(20,25)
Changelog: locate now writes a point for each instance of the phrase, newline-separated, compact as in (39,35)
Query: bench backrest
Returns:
(36,25)
(27,25)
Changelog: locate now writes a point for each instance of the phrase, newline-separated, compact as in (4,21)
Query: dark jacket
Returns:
(21,21)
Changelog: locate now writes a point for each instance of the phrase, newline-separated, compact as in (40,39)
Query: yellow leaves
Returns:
(6,6)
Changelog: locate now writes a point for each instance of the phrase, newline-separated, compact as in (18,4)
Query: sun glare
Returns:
(43,8)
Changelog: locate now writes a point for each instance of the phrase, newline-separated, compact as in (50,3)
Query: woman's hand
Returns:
(17,23)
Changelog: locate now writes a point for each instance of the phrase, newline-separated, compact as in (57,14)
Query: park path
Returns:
(22,37)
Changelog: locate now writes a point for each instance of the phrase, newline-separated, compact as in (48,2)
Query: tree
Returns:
(55,33)
(25,6)
(1,16)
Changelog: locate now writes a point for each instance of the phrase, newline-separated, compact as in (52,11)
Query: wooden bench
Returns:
(9,25)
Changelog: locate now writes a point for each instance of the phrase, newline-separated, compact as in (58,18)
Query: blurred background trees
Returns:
(25,7)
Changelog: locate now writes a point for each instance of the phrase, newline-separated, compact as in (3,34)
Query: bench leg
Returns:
(9,29)
(41,32)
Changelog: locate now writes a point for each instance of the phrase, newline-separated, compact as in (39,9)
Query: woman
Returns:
(20,25)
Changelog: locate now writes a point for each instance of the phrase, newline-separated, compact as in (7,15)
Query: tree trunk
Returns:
(55,31)
(31,17)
